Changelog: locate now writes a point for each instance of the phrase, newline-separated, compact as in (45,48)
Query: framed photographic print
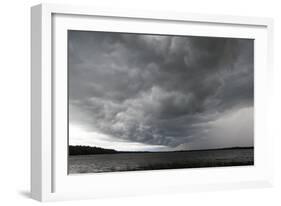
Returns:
(133,102)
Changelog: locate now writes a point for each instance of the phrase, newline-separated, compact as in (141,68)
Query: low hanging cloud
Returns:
(160,90)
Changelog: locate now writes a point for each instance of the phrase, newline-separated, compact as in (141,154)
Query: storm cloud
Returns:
(179,92)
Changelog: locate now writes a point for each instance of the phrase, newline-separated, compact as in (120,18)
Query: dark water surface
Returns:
(159,160)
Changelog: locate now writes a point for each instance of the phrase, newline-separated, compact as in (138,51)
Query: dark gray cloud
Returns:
(158,90)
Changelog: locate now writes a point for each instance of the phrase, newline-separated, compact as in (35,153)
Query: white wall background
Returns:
(15,103)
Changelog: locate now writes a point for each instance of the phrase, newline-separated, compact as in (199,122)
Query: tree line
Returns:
(87,150)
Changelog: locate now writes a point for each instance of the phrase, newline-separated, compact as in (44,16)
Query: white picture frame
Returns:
(49,178)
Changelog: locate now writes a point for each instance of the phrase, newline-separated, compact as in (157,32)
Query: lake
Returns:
(159,160)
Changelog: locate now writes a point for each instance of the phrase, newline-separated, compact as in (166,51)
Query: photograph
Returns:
(139,101)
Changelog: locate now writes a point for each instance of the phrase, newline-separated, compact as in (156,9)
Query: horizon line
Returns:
(218,148)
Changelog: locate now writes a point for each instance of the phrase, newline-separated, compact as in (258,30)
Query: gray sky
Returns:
(152,92)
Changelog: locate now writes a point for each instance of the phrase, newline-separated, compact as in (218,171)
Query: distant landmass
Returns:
(88,150)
